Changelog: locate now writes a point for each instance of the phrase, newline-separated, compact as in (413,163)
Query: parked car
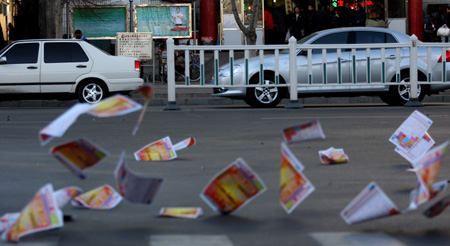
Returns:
(64,68)
(266,96)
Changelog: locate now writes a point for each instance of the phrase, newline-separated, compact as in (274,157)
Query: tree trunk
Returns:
(250,31)
(50,18)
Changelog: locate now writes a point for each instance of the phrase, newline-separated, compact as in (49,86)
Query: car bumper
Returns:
(230,92)
(226,91)
(125,84)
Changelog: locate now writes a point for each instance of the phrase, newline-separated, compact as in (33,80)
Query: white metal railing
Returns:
(444,49)
(293,47)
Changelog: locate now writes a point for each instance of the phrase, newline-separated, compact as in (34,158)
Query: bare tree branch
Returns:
(236,17)
(250,31)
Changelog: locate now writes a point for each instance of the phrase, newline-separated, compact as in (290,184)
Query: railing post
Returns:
(413,72)
(293,102)
(171,100)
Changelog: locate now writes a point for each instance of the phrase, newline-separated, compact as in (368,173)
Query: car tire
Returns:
(264,96)
(386,98)
(248,101)
(194,70)
(92,91)
(399,94)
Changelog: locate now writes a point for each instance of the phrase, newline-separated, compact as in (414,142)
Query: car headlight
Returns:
(226,72)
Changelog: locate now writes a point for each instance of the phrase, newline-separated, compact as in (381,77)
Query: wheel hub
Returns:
(92,93)
(266,94)
(405,90)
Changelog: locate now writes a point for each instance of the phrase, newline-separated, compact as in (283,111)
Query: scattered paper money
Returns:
(232,188)
(411,131)
(308,131)
(65,195)
(133,187)
(438,207)
(78,155)
(103,197)
(113,106)
(7,220)
(41,214)
(333,156)
(187,213)
(418,150)
(162,150)
(294,186)
(371,203)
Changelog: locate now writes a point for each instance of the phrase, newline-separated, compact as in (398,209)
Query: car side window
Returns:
(333,38)
(364,37)
(390,38)
(22,53)
(64,52)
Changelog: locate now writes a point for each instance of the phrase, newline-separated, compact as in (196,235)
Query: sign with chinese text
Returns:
(134,45)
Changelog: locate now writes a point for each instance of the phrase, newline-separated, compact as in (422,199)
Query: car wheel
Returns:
(248,101)
(264,96)
(92,91)
(399,94)
(386,98)
(194,72)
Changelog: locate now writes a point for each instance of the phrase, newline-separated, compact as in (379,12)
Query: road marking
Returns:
(355,239)
(190,240)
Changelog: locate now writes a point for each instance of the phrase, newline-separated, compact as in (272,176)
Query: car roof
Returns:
(47,39)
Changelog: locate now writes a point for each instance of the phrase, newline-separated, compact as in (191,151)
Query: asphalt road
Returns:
(223,134)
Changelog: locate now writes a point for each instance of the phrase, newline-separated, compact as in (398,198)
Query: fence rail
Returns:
(308,80)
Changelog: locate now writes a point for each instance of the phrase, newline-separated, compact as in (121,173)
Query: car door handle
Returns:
(81,66)
(32,67)
(391,57)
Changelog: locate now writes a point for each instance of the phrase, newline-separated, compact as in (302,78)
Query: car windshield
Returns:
(4,49)
(303,40)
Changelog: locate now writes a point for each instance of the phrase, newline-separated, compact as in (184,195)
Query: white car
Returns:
(267,96)
(64,68)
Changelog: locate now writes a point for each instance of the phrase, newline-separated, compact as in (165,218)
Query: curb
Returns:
(194,99)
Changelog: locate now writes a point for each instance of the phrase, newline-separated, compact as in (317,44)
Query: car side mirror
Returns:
(3,60)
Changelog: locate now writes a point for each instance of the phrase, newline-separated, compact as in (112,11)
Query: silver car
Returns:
(390,94)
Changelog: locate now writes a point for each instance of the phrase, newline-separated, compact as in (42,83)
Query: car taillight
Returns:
(447,57)
(137,65)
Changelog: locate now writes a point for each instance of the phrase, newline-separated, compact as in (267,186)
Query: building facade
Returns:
(4,9)
(218,21)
